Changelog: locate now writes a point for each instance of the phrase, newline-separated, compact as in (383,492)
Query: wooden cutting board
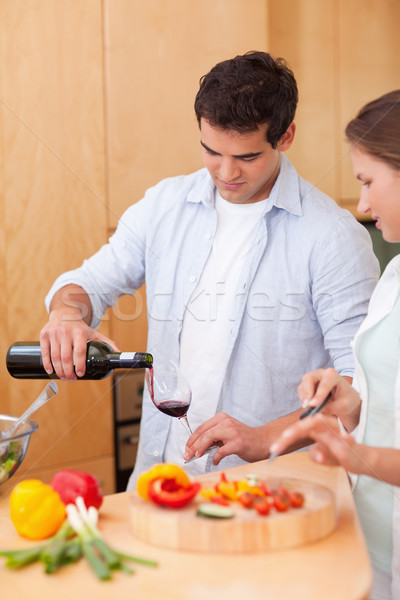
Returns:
(246,532)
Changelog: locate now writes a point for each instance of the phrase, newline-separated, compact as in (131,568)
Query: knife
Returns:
(309,412)
(313,410)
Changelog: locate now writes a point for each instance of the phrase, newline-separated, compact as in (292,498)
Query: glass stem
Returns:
(185,422)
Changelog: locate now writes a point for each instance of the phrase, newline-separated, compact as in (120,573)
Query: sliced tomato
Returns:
(262,505)
(281,501)
(296,499)
(246,499)
(281,491)
(219,500)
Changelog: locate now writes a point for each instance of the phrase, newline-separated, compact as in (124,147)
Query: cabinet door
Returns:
(103,468)
(369,50)
(155,54)
(52,202)
(303,32)
(343,54)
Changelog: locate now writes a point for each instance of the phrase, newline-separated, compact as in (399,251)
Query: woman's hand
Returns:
(335,447)
(344,403)
(233,437)
(332,446)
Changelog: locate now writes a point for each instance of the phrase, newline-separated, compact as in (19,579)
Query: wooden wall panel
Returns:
(303,32)
(156,53)
(369,50)
(97,105)
(343,53)
(102,466)
(3,280)
(52,200)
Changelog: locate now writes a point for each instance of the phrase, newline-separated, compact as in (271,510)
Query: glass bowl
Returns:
(13,449)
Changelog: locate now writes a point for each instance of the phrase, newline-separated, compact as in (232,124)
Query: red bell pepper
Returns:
(167,492)
(71,483)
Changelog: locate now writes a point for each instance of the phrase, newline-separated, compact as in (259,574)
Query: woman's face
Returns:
(380,192)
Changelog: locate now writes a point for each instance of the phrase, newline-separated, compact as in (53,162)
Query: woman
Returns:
(371,414)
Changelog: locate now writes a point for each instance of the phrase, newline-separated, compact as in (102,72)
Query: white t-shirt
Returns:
(208,317)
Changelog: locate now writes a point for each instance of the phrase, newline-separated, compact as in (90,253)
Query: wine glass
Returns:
(171,393)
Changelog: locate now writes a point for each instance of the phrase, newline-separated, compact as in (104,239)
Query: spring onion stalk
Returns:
(49,552)
(77,537)
(100,556)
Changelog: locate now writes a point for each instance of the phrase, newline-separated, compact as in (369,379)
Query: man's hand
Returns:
(63,340)
(335,447)
(231,435)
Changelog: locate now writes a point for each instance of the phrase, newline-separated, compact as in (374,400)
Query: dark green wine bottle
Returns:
(24,361)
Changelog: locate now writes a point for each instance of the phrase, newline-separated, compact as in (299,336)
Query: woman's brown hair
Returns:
(376,129)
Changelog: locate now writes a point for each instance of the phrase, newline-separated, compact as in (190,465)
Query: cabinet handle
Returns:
(131,439)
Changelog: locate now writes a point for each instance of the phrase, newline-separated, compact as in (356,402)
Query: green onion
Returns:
(77,537)
(20,558)
(97,562)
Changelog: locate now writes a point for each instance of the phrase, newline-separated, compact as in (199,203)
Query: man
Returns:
(253,276)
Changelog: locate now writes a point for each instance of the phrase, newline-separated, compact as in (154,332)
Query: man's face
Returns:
(243,166)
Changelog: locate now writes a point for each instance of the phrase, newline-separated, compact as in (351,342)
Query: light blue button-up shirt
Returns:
(302,293)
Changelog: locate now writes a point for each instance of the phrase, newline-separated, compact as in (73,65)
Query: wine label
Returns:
(127,356)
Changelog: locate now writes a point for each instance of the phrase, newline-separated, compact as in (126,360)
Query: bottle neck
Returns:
(129,360)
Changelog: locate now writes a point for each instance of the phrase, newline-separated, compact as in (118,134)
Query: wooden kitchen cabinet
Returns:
(155,54)
(96,105)
(102,467)
(344,53)
(303,32)
(369,53)
(52,208)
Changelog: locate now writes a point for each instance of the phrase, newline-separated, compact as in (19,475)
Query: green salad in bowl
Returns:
(13,448)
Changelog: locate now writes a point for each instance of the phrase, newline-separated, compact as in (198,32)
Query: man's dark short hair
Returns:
(247,91)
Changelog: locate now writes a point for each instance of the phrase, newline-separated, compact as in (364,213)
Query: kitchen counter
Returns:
(336,567)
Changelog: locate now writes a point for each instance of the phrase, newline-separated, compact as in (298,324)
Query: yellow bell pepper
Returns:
(244,486)
(209,493)
(228,490)
(161,471)
(36,510)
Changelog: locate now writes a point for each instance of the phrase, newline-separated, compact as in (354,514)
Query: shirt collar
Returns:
(201,189)
(285,193)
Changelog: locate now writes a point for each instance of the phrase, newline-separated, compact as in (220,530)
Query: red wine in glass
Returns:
(174,409)
(171,394)
(169,391)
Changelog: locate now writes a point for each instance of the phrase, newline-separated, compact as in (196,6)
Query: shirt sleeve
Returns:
(344,274)
(116,269)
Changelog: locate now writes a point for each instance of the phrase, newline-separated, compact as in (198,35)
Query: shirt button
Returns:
(156,453)
(209,236)
(192,278)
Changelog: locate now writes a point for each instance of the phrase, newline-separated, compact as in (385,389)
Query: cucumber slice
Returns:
(215,511)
